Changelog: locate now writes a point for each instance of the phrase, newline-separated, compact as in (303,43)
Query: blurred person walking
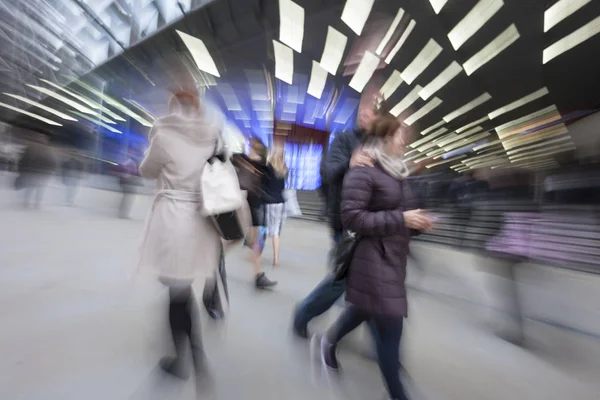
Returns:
(378,206)
(38,163)
(181,245)
(127,172)
(276,213)
(72,173)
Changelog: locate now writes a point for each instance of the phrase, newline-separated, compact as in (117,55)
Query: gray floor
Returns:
(78,323)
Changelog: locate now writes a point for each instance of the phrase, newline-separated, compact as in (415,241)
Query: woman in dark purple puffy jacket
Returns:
(378,206)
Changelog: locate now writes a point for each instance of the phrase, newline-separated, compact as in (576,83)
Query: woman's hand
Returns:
(361,158)
(419,220)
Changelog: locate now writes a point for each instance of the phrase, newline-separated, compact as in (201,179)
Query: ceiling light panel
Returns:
(97,122)
(284,62)
(291,24)
(30,114)
(518,103)
(426,109)
(441,80)
(561,10)
(429,53)
(318,78)
(356,13)
(390,86)
(406,101)
(427,138)
(446,161)
(472,124)
(401,41)
(42,107)
(489,52)
(568,42)
(437,5)
(335,44)
(62,98)
(483,11)
(528,117)
(390,32)
(365,71)
(433,127)
(200,54)
(468,107)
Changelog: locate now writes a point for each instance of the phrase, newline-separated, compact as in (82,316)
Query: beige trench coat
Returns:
(179,244)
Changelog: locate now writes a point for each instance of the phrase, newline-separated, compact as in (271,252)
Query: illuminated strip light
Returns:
(356,13)
(489,52)
(573,39)
(401,41)
(318,78)
(435,153)
(291,24)
(519,103)
(284,62)
(109,100)
(365,71)
(390,86)
(141,108)
(390,32)
(528,117)
(474,160)
(406,102)
(483,11)
(433,127)
(462,136)
(427,108)
(428,146)
(468,107)
(464,142)
(427,138)
(42,107)
(446,161)
(429,53)
(544,152)
(200,54)
(537,145)
(335,44)
(437,5)
(99,123)
(489,144)
(30,114)
(77,106)
(441,80)
(544,134)
(86,101)
(472,124)
(561,10)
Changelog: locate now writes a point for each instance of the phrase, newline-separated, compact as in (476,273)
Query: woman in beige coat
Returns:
(180,245)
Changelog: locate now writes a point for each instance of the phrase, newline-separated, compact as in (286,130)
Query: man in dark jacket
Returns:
(344,153)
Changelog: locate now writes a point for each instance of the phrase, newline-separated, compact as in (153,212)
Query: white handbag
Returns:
(221,197)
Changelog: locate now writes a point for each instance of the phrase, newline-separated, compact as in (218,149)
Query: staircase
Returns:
(311,205)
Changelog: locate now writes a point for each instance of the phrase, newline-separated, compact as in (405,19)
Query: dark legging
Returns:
(183,320)
(389,332)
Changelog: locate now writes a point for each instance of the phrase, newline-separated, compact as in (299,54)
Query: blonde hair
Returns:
(278,162)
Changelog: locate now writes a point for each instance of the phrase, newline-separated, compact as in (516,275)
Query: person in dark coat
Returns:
(72,173)
(378,206)
(36,167)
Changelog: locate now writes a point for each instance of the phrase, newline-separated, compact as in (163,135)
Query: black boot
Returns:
(262,282)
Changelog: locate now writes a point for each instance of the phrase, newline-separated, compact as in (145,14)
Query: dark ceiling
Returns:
(239,33)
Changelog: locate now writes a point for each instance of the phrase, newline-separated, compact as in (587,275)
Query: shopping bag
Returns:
(343,253)
(292,208)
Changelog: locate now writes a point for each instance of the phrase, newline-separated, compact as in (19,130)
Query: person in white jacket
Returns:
(180,245)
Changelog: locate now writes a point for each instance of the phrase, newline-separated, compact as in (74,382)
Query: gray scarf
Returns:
(395,166)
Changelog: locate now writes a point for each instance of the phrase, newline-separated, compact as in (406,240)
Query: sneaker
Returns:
(262,282)
(328,356)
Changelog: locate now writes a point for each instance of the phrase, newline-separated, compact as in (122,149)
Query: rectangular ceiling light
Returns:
(401,41)
(468,107)
(483,11)
(431,50)
(356,13)
(472,124)
(573,39)
(437,5)
(406,101)
(528,117)
(77,106)
(318,78)
(365,71)
(30,114)
(427,108)
(390,32)
(200,54)
(284,62)
(97,122)
(518,103)
(42,107)
(433,127)
(335,44)
(427,138)
(446,161)
(495,47)
(390,86)
(561,10)
(441,80)
(291,24)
